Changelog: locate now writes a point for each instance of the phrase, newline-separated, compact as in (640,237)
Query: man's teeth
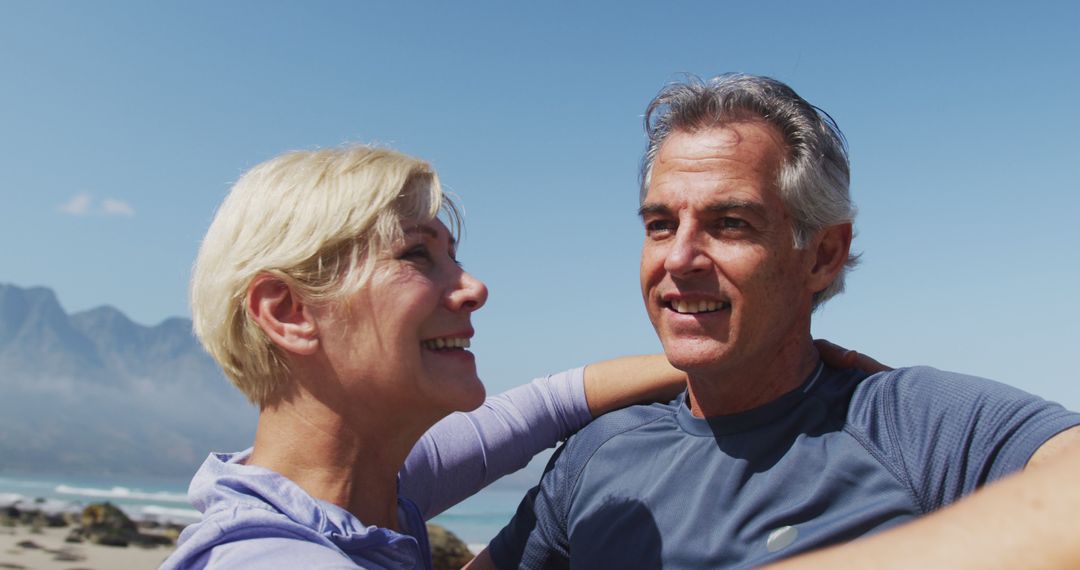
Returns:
(691,307)
(449,342)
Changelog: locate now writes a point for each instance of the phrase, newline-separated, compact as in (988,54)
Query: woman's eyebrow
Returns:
(430,232)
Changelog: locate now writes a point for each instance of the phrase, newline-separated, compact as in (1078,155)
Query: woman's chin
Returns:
(473,397)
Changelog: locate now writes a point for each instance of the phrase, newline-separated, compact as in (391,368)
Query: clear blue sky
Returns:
(122,126)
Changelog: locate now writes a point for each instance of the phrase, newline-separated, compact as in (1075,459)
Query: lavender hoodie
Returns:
(256,518)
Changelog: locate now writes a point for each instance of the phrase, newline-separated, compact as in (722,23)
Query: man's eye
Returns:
(733,224)
(659,227)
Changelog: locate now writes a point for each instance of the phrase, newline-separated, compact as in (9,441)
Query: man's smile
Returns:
(694,307)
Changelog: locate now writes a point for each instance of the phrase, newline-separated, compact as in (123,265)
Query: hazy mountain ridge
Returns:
(96,393)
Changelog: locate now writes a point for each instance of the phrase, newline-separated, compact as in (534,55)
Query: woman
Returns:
(327,289)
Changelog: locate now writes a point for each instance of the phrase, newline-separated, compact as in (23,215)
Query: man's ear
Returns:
(282,315)
(831,250)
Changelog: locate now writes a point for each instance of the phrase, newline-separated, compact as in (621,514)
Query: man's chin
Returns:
(696,361)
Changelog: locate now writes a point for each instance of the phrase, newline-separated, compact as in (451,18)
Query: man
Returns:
(769,453)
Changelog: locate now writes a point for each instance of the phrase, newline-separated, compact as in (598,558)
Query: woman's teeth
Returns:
(449,342)
(691,307)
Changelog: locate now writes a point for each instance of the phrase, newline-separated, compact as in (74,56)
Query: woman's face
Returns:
(400,341)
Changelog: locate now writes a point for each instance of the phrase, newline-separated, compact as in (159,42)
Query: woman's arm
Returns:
(614,384)
(463,453)
(466,452)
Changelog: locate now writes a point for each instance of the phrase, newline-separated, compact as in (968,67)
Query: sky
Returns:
(123,125)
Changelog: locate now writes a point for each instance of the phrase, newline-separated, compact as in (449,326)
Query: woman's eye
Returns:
(417,253)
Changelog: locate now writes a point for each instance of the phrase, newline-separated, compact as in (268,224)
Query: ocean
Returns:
(476,520)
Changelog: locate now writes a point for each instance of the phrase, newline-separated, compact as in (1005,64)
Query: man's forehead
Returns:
(702,141)
(723,167)
(707,142)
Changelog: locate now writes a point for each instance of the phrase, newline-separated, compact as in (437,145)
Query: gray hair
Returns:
(814,178)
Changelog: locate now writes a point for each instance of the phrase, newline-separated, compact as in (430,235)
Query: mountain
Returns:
(95,393)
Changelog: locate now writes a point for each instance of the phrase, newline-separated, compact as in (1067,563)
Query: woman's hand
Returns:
(839,357)
(613,384)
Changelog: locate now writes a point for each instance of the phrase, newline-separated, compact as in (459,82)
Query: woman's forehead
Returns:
(434,229)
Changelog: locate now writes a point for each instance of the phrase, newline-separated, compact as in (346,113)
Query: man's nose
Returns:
(686,255)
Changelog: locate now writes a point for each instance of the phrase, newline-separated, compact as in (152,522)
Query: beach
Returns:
(156,506)
(21,547)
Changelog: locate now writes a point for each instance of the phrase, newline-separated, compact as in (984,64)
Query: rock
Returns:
(106,515)
(75,536)
(67,556)
(55,520)
(448,552)
(103,523)
(173,531)
(154,539)
(110,538)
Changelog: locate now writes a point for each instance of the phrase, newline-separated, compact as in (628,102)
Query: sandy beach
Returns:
(22,549)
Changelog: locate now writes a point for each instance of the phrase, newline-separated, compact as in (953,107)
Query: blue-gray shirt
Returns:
(843,456)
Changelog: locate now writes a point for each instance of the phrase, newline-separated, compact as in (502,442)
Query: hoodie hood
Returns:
(243,502)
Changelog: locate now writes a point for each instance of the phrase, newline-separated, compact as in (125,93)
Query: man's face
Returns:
(723,284)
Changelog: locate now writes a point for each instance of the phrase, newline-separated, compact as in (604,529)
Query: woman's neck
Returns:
(352,463)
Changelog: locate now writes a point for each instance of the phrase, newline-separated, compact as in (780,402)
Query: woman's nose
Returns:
(469,295)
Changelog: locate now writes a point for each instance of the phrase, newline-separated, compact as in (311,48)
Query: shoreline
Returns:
(74,524)
(23,548)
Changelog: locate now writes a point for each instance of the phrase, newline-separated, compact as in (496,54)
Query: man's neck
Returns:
(752,381)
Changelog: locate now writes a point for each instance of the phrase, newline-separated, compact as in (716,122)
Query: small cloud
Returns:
(84,205)
(78,205)
(111,207)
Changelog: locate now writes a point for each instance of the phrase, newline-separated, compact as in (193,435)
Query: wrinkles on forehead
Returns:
(705,141)
(747,150)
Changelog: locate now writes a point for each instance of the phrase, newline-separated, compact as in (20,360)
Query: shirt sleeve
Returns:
(950,434)
(465,452)
(538,535)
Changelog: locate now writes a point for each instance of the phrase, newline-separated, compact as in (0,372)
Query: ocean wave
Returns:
(183,515)
(122,493)
(9,499)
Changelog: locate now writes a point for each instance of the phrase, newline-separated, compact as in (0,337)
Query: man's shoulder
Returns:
(907,405)
(619,423)
(626,419)
(929,382)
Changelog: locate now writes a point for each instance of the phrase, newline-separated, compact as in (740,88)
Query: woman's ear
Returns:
(282,315)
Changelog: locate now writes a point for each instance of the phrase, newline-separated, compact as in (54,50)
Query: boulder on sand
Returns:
(447,550)
(104,523)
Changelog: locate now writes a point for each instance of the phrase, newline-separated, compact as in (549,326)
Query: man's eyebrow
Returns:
(726,206)
(653,209)
(756,208)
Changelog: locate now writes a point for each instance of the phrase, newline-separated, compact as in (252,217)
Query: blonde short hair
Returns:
(315,220)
